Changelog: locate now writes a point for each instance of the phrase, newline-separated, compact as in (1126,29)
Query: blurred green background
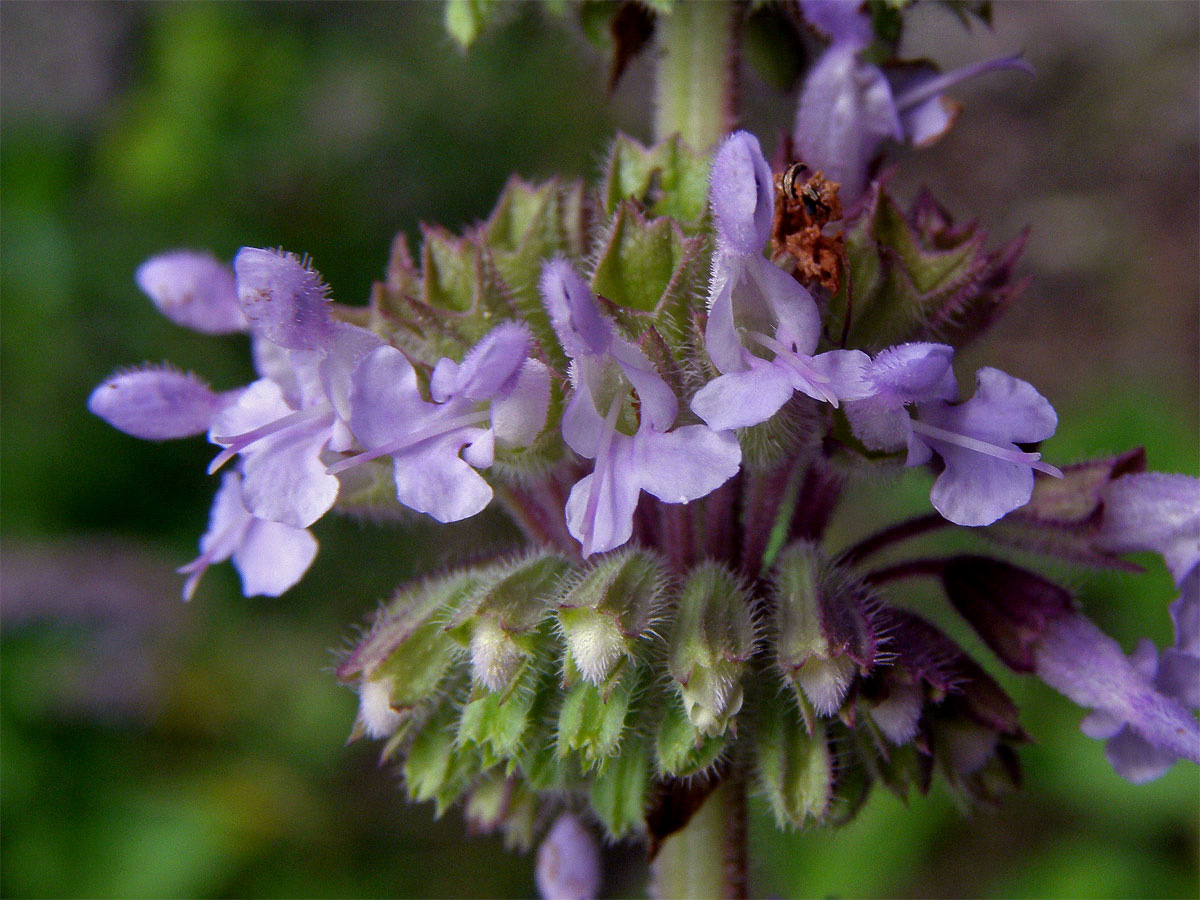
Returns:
(152,749)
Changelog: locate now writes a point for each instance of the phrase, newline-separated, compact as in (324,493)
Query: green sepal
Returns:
(619,793)
(680,748)
(495,723)
(667,179)
(368,491)
(499,803)
(499,621)
(920,277)
(711,639)
(794,768)
(436,767)
(648,266)
(529,225)
(593,719)
(824,635)
(408,643)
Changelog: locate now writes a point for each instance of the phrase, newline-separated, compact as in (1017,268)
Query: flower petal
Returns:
(519,415)
(572,308)
(600,507)
(976,489)
(685,464)
(193,289)
(283,299)
(156,403)
(845,114)
(433,479)
(273,557)
(742,193)
(742,399)
(1155,511)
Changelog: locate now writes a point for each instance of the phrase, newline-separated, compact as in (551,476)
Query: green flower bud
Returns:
(499,622)
(710,641)
(609,611)
(824,635)
(680,747)
(503,804)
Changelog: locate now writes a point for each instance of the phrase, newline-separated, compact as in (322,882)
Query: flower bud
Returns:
(606,613)
(568,862)
(710,641)
(824,634)
(500,621)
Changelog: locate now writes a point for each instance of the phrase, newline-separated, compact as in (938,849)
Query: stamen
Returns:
(1019,457)
(939,83)
(800,365)
(411,440)
(238,442)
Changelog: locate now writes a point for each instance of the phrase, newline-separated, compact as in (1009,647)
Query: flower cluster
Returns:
(669,407)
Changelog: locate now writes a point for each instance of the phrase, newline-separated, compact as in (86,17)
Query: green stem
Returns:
(697,72)
(706,859)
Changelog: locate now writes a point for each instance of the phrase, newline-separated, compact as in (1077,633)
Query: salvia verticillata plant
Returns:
(667,378)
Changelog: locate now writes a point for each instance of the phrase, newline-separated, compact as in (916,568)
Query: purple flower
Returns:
(634,446)
(157,403)
(283,423)
(568,862)
(763,326)
(1155,511)
(269,556)
(849,108)
(1140,703)
(497,394)
(986,474)
(1161,512)
(193,289)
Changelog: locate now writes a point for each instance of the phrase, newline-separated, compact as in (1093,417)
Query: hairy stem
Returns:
(893,534)
(696,91)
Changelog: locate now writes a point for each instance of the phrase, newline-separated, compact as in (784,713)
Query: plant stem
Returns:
(696,93)
(706,859)
(901,531)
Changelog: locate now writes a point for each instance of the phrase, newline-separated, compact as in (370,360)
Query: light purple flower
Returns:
(497,394)
(763,326)
(270,557)
(1140,703)
(193,289)
(986,475)
(634,446)
(157,403)
(849,108)
(281,426)
(1154,511)
(1161,512)
(568,862)
(283,423)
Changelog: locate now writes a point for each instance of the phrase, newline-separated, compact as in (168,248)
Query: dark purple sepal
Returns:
(1064,516)
(1008,606)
